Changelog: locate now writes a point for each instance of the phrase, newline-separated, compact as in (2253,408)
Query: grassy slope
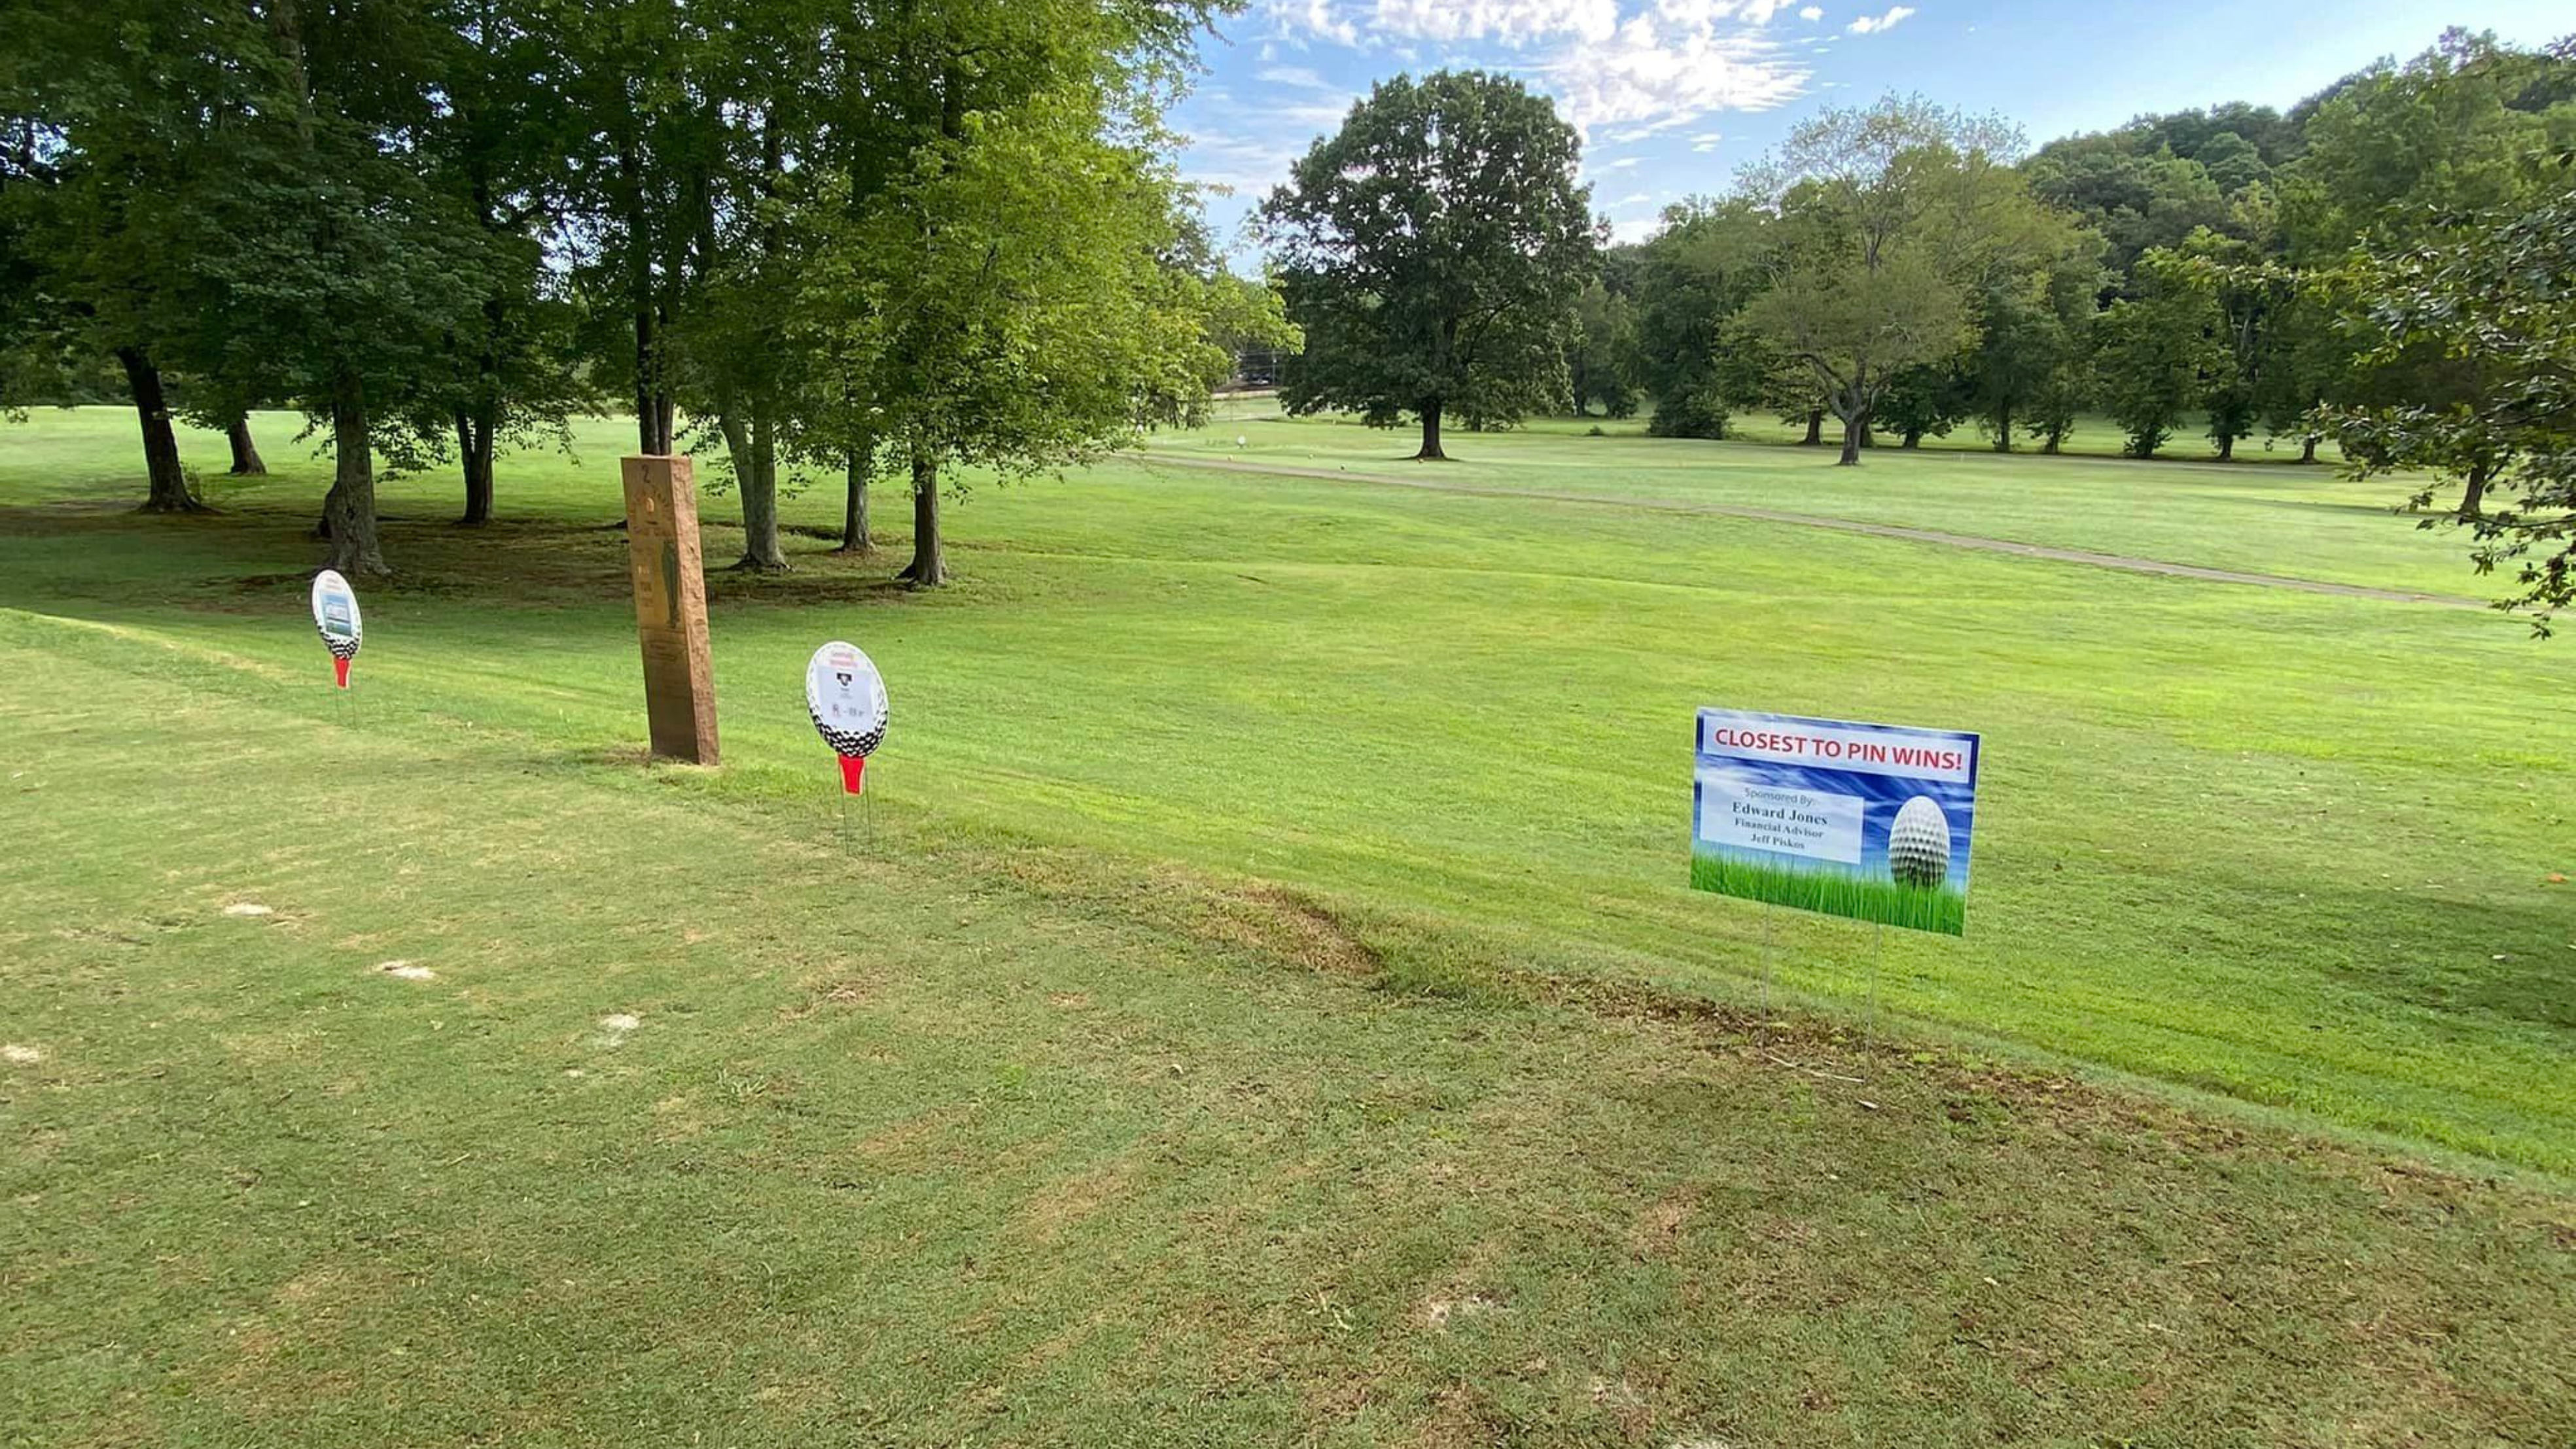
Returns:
(1185,1060)
(2259,517)
(2288,848)
(957,1139)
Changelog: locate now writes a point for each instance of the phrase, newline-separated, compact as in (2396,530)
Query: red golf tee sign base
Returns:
(854,769)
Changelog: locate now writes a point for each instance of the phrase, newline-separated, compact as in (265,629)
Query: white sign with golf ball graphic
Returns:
(847,699)
(335,618)
(1868,821)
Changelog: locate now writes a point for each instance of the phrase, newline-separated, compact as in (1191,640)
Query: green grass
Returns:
(1267,1005)
(2268,516)
(1834,893)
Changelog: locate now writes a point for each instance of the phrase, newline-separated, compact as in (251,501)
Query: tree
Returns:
(2032,330)
(112,114)
(2395,156)
(1927,400)
(2130,189)
(322,266)
(2307,358)
(1432,251)
(2494,288)
(1887,218)
(1693,277)
(1011,292)
(1603,359)
(2155,349)
(2249,295)
(498,149)
(2398,148)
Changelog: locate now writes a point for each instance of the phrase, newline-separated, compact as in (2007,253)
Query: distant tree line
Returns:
(842,240)
(1902,270)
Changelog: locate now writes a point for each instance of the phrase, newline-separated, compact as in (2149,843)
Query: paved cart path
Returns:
(1844,525)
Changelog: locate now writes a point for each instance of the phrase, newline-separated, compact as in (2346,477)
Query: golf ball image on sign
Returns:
(847,699)
(1869,821)
(335,617)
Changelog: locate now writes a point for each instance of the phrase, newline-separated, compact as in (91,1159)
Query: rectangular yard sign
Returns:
(1863,820)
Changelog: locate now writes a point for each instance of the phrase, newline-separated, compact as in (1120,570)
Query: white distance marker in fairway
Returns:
(846,698)
(335,617)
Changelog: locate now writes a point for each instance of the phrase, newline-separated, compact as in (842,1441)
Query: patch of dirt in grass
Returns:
(904,1141)
(1069,1201)
(1292,925)
(1659,1227)
(1438,1311)
(406,971)
(20,1055)
(616,1027)
(249,909)
(828,992)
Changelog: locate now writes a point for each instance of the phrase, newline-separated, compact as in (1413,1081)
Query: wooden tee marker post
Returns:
(671,606)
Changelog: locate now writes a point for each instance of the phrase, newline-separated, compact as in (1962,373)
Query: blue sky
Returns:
(1673,95)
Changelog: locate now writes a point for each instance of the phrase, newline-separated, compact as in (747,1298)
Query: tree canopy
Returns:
(1432,251)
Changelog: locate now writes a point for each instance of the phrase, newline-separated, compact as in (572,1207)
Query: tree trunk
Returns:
(1913,437)
(2003,433)
(474,431)
(1815,429)
(2227,448)
(2473,491)
(2308,448)
(167,481)
(652,390)
(246,459)
(349,509)
(755,475)
(1431,453)
(2049,447)
(1853,427)
(929,564)
(854,513)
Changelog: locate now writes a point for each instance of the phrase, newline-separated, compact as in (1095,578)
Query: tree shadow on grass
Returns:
(258,559)
(2511,960)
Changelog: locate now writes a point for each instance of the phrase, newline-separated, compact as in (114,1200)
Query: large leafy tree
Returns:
(1603,357)
(1432,250)
(500,148)
(1888,220)
(1692,278)
(1017,286)
(2155,350)
(118,119)
(2500,289)
(2033,329)
(325,267)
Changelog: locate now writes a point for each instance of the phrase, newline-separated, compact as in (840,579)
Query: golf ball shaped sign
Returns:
(846,698)
(1869,821)
(335,618)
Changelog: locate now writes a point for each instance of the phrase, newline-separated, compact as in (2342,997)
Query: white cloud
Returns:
(1811,14)
(1663,64)
(1880,24)
(1706,141)
(1294,75)
(1246,165)
(1319,17)
(1513,22)
(1670,76)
